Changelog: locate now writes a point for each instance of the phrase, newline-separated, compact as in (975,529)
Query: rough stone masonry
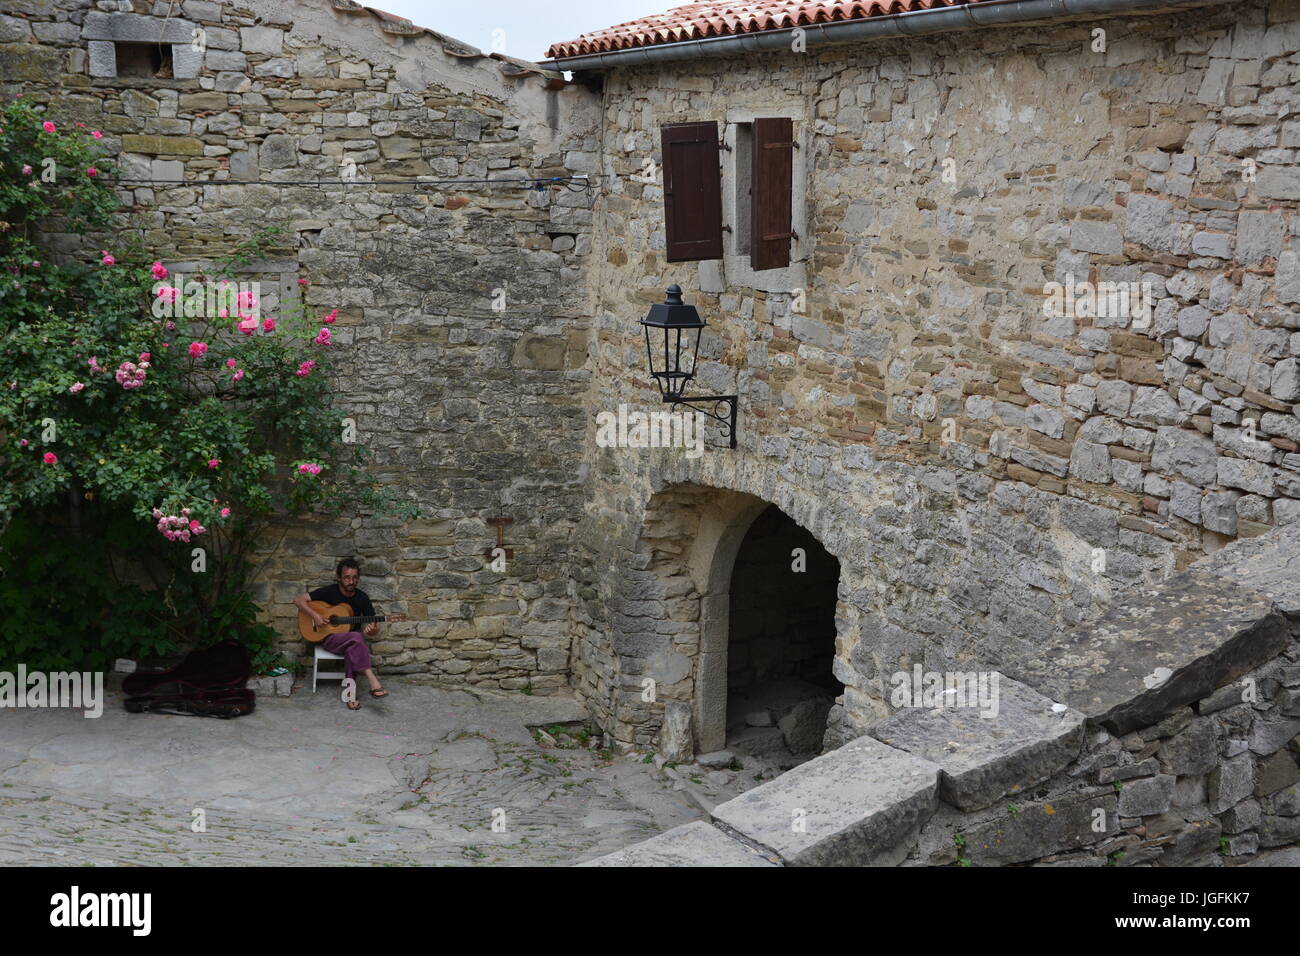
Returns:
(987,476)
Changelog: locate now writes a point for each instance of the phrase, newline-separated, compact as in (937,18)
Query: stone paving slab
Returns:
(855,806)
(695,844)
(1157,650)
(416,778)
(984,758)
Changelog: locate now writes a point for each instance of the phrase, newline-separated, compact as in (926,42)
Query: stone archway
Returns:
(691,537)
(781,642)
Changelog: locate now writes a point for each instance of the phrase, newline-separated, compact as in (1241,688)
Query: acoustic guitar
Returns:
(339,619)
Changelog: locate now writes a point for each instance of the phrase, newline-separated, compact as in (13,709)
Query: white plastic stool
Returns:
(317,673)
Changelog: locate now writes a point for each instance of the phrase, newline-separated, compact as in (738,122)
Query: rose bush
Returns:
(142,422)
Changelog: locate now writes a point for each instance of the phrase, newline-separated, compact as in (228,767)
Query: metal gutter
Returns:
(909,23)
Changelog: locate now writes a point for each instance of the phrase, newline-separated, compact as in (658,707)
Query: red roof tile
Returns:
(698,21)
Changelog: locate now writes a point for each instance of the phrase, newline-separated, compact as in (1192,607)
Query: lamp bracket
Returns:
(713,408)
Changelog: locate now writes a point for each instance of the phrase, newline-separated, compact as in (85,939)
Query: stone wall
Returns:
(1175,742)
(461,325)
(987,475)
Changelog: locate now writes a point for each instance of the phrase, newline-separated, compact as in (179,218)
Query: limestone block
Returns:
(135,28)
(261,40)
(102,57)
(1023,744)
(694,844)
(859,805)
(1147,796)
(1041,829)
(1186,454)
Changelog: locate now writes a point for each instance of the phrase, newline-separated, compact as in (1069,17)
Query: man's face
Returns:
(348,580)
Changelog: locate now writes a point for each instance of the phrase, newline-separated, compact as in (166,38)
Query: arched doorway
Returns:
(671,615)
(781,642)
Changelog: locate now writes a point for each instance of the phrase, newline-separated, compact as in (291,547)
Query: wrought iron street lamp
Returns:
(681,326)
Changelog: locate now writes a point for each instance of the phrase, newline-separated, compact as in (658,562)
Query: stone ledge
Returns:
(1269,564)
(862,804)
(1160,649)
(1023,745)
(694,844)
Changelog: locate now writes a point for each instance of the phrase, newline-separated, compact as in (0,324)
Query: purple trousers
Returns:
(352,645)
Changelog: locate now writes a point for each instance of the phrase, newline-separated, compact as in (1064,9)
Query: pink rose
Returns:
(27,170)
(159,270)
(302,282)
(92,171)
(213,462)
(48,126)
(194,524)
(231,363)
(107,260)
(323,337)
(248,326)
(23,443)
(331,316)
(197,349)
(268,325)
(225,512)
(224,313)
(238,376)
(246,300)
(97,134)
(75,387)
(51,458)
(144,356)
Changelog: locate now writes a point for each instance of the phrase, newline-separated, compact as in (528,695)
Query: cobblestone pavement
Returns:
(419,778)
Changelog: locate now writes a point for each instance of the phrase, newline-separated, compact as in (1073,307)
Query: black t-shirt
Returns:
(359,601)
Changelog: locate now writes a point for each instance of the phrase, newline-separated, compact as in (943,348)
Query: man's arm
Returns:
(300,602)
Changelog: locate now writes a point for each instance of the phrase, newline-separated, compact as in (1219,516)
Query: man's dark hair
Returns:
(348,562)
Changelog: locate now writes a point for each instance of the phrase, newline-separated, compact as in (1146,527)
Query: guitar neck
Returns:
(374,618)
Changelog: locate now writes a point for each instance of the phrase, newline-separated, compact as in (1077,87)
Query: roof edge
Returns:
(963,16)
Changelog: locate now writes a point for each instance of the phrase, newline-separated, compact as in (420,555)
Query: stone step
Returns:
(1019,739)
(693,844)
(860,805)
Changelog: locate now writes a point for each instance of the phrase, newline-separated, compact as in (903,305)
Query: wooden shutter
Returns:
(692,191)
(772,171)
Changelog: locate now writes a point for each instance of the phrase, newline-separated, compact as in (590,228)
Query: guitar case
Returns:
(207,683)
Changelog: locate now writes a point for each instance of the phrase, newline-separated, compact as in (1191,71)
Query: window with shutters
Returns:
(738,194)
(692,191)
(764,188)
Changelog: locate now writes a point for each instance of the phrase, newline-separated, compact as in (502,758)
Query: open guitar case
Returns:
(207,683)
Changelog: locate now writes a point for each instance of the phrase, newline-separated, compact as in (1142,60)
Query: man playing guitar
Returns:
(352,644)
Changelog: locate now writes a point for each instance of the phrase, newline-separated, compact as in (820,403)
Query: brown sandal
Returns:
(354,705)
(382,692)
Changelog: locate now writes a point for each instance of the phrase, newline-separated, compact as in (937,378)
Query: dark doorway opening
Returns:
(781,645)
